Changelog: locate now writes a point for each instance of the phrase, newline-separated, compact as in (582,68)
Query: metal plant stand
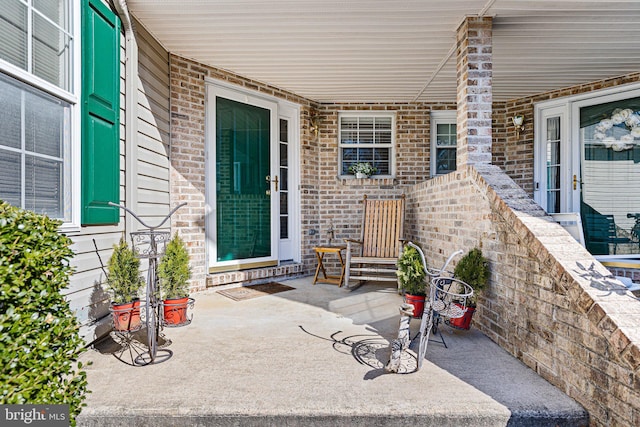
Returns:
(150,244)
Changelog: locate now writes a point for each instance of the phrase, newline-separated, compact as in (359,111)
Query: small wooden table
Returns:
(320,252)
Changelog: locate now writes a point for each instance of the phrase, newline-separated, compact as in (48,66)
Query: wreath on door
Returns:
(621,131)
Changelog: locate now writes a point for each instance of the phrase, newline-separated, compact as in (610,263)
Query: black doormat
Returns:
(254,291)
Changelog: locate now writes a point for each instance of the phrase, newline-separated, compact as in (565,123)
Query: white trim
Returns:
(216,88)
(437,117)
(72,159)
(251,92)
(292,114)
(569,108)
(539,146)
(392,146)
(76,119)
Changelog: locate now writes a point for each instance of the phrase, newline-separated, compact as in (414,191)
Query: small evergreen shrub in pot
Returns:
(39,340)
(412,278)
(473,269)
(124,283)
(174,274)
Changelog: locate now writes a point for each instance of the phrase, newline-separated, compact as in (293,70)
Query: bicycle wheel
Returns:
(425,329)
(153,322)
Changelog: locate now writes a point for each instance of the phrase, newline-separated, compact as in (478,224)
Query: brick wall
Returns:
(326,200)
(188,167)
(547,303)
(474,90)
(339,200)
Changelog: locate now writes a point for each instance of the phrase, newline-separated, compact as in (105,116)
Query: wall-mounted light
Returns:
(314,125)
(518,123)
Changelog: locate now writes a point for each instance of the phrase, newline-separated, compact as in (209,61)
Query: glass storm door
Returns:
(244,230)
(609,143)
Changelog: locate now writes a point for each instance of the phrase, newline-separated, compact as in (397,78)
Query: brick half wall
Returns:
(549,302)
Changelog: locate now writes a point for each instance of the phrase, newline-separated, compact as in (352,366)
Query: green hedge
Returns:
(39,340)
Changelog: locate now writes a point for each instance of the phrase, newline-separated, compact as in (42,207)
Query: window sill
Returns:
(350,180)
(69,228)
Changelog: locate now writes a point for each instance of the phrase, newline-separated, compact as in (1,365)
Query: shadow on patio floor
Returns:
(315,356)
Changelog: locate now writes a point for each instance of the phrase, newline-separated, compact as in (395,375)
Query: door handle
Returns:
(274,180)
(576,182)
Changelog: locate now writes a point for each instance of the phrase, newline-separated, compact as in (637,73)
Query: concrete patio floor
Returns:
(314,356)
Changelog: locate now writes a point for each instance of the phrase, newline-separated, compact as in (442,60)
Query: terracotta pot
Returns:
(175,311)
(417,301)
(126,317)
(463,322)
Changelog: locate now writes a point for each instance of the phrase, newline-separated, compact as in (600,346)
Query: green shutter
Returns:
(100,113)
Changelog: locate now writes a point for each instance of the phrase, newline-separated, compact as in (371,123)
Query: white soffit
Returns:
(388,50)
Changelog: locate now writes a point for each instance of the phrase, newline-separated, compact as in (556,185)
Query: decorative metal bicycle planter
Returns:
(150,244)
(447,299)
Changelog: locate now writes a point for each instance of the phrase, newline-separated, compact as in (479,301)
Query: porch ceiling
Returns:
(389,50)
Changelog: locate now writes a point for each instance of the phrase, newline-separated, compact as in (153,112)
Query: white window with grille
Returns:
(443,142)
(367,138)
(38,94)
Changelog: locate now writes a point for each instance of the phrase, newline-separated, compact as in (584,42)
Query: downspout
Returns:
(130,114)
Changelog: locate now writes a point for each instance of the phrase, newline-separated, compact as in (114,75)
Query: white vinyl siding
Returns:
(87,290)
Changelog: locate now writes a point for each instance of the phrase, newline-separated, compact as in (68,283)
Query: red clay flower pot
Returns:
(463,322)
(417,301)
(175,311)
(126,317)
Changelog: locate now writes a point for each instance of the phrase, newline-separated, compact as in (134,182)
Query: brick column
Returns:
(474,96)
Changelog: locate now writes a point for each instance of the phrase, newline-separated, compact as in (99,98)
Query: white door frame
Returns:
(290,247)
(278,109)
(542,113)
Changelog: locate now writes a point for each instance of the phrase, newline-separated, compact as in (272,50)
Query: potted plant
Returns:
(362,170)
(473,269)
(412,278)
(174,273)
(124,283)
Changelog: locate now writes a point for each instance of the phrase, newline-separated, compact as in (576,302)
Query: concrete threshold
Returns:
(314,356)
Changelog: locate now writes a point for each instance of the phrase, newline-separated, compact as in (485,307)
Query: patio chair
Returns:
(602,230)
(375,255)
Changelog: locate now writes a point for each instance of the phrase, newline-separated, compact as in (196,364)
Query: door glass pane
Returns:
(610,166)
(284,179)
(243,217)
(553,164)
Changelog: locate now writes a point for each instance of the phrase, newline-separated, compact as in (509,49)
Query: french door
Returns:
(587,160)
